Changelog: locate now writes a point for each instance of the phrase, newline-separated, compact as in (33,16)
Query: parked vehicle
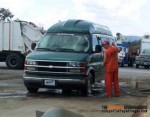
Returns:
(129,49)
(15,42)
(121,55)
(144,58)
(69,56)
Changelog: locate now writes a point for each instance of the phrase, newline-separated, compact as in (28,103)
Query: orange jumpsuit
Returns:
(111,73)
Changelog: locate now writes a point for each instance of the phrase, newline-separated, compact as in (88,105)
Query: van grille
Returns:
(46,63)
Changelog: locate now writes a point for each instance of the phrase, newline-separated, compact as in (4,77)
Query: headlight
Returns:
(74,64)
(29,65)
(30,62)
(77,67)
(31,68)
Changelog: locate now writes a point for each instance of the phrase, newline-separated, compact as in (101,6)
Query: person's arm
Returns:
(113,43)
(105,57)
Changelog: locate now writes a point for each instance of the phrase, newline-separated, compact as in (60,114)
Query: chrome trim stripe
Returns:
(54,66)
(37,78)
(54,72)
(53,61)
(97,63)
(89,69)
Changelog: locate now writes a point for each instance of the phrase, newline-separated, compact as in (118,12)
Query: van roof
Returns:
(79,26)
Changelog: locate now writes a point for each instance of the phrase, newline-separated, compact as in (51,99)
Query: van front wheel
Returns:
(87,90)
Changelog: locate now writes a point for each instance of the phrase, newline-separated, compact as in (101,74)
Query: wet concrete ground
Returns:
(15,101)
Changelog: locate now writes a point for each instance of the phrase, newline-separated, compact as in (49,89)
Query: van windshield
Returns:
(64,42)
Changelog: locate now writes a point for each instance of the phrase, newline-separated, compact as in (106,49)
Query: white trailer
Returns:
(145,43)
(144,58)
(16,38)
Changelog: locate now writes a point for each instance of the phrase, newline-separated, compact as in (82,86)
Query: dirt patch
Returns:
(90,106)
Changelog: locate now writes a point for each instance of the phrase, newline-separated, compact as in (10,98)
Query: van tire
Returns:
(146,67)
(122,64)
(137,65)
(66,91)
(14,61)
(87,89)
(32,90)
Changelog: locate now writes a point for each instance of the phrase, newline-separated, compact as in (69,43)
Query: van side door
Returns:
(96,60)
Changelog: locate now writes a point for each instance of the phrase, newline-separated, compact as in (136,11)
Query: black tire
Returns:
(146,67)
(32,90)
(131,65)
(137,66)
(122,64)
(88,87)
(131,62)
(14,61)
(66,91)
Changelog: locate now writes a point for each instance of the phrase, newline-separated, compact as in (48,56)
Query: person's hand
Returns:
(113,44)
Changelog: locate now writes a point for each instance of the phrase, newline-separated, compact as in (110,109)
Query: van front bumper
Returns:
(142,63)
(56,82)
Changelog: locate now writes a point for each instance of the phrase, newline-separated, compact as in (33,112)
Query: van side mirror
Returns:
(98,37)
(98,48)
(33,46)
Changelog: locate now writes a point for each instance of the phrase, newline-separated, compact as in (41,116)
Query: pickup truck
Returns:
(143,59)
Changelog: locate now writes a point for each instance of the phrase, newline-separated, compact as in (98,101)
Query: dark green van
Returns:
(68,57)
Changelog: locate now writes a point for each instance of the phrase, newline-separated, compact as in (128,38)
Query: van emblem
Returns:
(51,66)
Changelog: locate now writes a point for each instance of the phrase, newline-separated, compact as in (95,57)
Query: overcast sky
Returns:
(129,17)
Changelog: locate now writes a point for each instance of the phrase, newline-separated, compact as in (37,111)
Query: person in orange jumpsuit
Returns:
(111,72)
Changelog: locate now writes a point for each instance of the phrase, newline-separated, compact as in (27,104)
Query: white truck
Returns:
(121,49)
(16,38)
(144,58)
(121,55)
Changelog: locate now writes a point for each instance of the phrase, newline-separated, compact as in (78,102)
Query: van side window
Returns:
(103,39)
(94,42)
(111,40)
(106,38)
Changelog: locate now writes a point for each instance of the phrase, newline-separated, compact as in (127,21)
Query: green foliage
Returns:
(5,14)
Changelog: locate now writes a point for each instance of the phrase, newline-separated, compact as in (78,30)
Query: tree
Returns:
(5,14)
